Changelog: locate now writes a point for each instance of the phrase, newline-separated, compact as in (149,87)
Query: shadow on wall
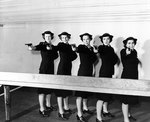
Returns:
(145,59)
(97,42)
(118,47)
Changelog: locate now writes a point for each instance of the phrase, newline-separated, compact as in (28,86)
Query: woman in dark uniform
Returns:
(130,71)
(48,54)
(67,55)
(109,59)
(87,60)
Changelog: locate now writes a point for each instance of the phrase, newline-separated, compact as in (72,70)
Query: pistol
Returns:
(129,49)
(47,44)
(73,45)
(95,46)
(28,44)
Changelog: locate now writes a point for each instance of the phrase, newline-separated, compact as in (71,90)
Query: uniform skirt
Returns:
(131,100)
(45,90)
(104,96)
(63,93)
(83,94)
(128,99)
(64,71)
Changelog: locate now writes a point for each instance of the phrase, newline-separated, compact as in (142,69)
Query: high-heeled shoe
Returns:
(69,111)
(51,108)
(132,118)
(62,116)
(44,113)
(107,114)
(99,120)
(81,119)
(87,111)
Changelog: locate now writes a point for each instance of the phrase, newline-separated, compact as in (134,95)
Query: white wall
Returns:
(14,56)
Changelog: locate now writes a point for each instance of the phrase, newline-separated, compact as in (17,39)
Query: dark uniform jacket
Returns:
(48,57)
(67,55)
(87,59)
(109,59)
(130,64)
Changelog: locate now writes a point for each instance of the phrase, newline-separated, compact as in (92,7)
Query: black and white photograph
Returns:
(75,60)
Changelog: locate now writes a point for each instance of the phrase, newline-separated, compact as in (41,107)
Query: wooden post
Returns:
(7,102)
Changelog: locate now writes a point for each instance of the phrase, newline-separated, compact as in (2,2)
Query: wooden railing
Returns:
(79,83)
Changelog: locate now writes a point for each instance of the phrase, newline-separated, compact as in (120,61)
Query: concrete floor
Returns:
(24,108)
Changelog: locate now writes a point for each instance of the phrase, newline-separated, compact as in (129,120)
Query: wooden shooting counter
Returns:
(77,83)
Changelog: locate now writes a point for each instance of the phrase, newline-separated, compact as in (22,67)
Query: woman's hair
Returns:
(64,33)
(129,38)
(106,35)
(48,32)
(86,34)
